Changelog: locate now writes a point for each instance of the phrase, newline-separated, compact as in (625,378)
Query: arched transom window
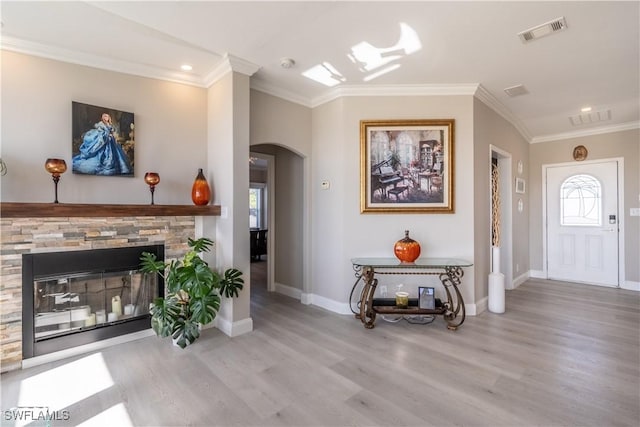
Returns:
(581,201)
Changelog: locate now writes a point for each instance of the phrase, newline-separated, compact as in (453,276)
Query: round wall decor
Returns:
(580,153)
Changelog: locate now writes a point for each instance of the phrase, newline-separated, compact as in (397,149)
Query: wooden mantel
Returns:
(57,210)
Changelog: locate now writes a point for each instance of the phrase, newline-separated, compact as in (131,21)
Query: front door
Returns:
(582,223)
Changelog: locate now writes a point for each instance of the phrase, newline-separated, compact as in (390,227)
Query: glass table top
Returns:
(391,262)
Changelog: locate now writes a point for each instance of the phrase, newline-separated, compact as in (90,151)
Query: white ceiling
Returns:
(465,47)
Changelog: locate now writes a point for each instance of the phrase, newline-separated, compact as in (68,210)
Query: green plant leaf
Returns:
(185,332)
(204,308)
(202,244)
(150,264)
(164,313)
(231,283)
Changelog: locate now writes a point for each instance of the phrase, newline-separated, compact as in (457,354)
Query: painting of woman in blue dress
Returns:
(100,150)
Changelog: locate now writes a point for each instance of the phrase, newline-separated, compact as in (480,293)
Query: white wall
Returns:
(170,120)
(228,161)
(340,232)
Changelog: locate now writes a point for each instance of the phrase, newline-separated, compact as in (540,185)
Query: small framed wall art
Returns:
(520,186)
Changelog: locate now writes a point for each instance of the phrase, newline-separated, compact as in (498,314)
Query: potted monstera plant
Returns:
(193,292)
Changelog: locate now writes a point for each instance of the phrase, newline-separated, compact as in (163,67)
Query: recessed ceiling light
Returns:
(585,109)
(186,67)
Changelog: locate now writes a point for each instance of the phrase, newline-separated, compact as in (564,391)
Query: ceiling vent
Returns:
(592,117)
(545,29)
(516,90)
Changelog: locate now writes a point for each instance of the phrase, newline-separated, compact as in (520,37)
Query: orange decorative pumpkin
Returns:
(407,249)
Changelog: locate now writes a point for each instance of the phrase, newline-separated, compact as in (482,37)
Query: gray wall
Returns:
(283,129)
(341,232)
(289,206)
(491,129)
(170,126)
(625,144)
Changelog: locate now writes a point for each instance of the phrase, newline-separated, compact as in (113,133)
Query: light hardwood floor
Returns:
(562,355)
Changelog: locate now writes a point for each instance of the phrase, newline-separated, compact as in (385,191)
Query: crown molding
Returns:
(230,63)
(94,61)
(395,90)
(367,90)
(227,64)
(586,132)
(278,92)
(492,102)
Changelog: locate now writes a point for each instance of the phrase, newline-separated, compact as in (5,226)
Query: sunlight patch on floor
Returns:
(65,385)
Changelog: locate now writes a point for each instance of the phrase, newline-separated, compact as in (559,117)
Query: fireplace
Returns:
(79,297)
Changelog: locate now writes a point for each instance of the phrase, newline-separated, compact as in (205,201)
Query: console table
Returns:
(448,270)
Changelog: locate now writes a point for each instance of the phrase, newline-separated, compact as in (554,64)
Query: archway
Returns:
(287,213)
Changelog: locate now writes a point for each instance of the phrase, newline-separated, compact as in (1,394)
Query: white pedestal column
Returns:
(496,284)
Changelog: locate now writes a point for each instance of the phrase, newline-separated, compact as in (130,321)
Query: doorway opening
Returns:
(502,161)
(287,220)
(262,219)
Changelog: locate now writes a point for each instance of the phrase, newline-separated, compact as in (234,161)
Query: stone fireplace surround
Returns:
(45,227)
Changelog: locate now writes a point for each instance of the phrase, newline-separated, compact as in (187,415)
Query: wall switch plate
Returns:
(634,211)
(224,212)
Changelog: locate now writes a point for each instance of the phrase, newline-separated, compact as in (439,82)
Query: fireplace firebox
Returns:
(79,297)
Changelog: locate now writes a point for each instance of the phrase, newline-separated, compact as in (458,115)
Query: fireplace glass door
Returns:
(68,303)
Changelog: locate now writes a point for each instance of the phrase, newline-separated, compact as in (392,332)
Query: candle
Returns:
(116,305)
(129,309)
(100,316)
(112,317)
(402,299)
(91,320)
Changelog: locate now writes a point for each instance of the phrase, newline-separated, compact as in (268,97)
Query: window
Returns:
(581,201)
(257,206)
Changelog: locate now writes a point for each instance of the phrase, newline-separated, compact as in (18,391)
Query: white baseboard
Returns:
(234,329)
(306,298)
(326,303)
(313,299)
(477,308)
(344,308)
(288,290)
(631,286)
(537,274)
(520,280)
(86,348)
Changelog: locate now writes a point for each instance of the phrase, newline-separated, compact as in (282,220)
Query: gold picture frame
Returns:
(407,166)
